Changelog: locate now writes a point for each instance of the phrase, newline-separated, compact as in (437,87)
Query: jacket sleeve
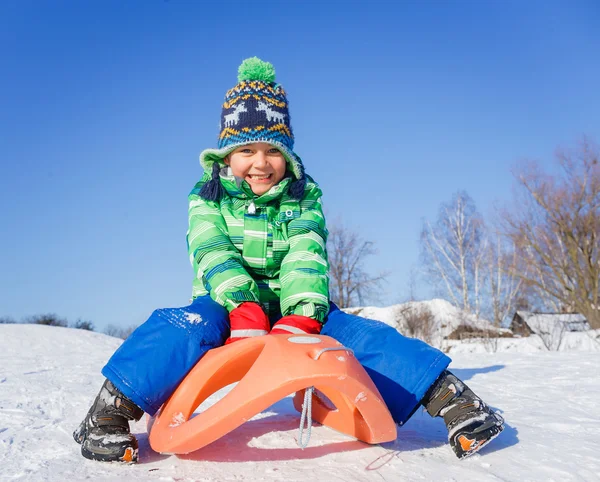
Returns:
(215,259)
(304,275)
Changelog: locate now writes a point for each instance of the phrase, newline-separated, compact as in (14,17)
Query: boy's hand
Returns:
(247,320)
(296,325)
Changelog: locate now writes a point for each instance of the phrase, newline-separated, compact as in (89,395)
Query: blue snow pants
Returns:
(152,362)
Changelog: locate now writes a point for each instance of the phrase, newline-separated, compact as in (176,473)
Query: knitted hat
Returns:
(255,110)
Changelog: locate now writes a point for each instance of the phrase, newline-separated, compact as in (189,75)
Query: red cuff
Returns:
(247,320)
(296,325)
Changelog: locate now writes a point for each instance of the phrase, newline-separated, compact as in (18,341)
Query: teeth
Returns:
(258,177)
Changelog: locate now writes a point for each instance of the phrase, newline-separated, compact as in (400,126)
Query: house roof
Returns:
(543,322)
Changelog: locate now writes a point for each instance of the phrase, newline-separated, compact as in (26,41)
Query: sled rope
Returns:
(306,409)
(306,422)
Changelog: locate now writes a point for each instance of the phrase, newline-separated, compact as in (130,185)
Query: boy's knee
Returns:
(204,324)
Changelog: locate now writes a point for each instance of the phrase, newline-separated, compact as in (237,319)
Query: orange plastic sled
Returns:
(269,368)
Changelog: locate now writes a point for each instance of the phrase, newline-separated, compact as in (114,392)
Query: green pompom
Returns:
(256,69)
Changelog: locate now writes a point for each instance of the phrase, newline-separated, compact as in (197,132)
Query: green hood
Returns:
(209,156)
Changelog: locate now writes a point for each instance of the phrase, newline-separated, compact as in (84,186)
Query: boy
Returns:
(257,242)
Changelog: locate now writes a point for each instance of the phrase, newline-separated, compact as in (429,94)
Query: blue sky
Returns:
(105,106)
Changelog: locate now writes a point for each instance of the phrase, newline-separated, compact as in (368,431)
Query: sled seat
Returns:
(269,368)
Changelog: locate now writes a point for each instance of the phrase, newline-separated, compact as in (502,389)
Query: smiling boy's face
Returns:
(260,164)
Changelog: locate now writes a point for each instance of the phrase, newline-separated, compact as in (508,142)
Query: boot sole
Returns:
(129,455)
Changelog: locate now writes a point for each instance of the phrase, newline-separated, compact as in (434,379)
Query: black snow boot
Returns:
(471,423)
(104,433)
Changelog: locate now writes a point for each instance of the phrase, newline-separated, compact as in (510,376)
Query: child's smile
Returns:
(260,177)
(260,164)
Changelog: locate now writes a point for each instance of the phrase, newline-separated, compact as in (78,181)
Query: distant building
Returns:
(466,332)
(525,323)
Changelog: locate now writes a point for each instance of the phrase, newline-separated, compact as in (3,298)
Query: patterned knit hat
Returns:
(255,110)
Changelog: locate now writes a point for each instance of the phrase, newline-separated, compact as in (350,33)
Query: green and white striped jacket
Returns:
(268,249)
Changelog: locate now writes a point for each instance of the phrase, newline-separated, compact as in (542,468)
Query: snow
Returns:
(178,419)
(563,341)
(193,318)
(110,438)
(49,376)
(447,318)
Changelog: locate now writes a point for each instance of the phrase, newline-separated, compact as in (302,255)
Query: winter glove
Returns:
(247,320)
(296,325)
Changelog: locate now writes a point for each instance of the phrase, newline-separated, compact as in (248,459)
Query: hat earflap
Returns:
(213,190)
(296,189)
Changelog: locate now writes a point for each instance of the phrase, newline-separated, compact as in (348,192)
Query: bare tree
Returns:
(418,322)
(504,284)
(84,325)
(556,231)
(49,319)
(413,282)
(350,282)
(479,272)
(552,335)
(491,341)
(119,332)
(453,248)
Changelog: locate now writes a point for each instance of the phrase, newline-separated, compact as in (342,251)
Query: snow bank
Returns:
(49,376)
(448,318)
